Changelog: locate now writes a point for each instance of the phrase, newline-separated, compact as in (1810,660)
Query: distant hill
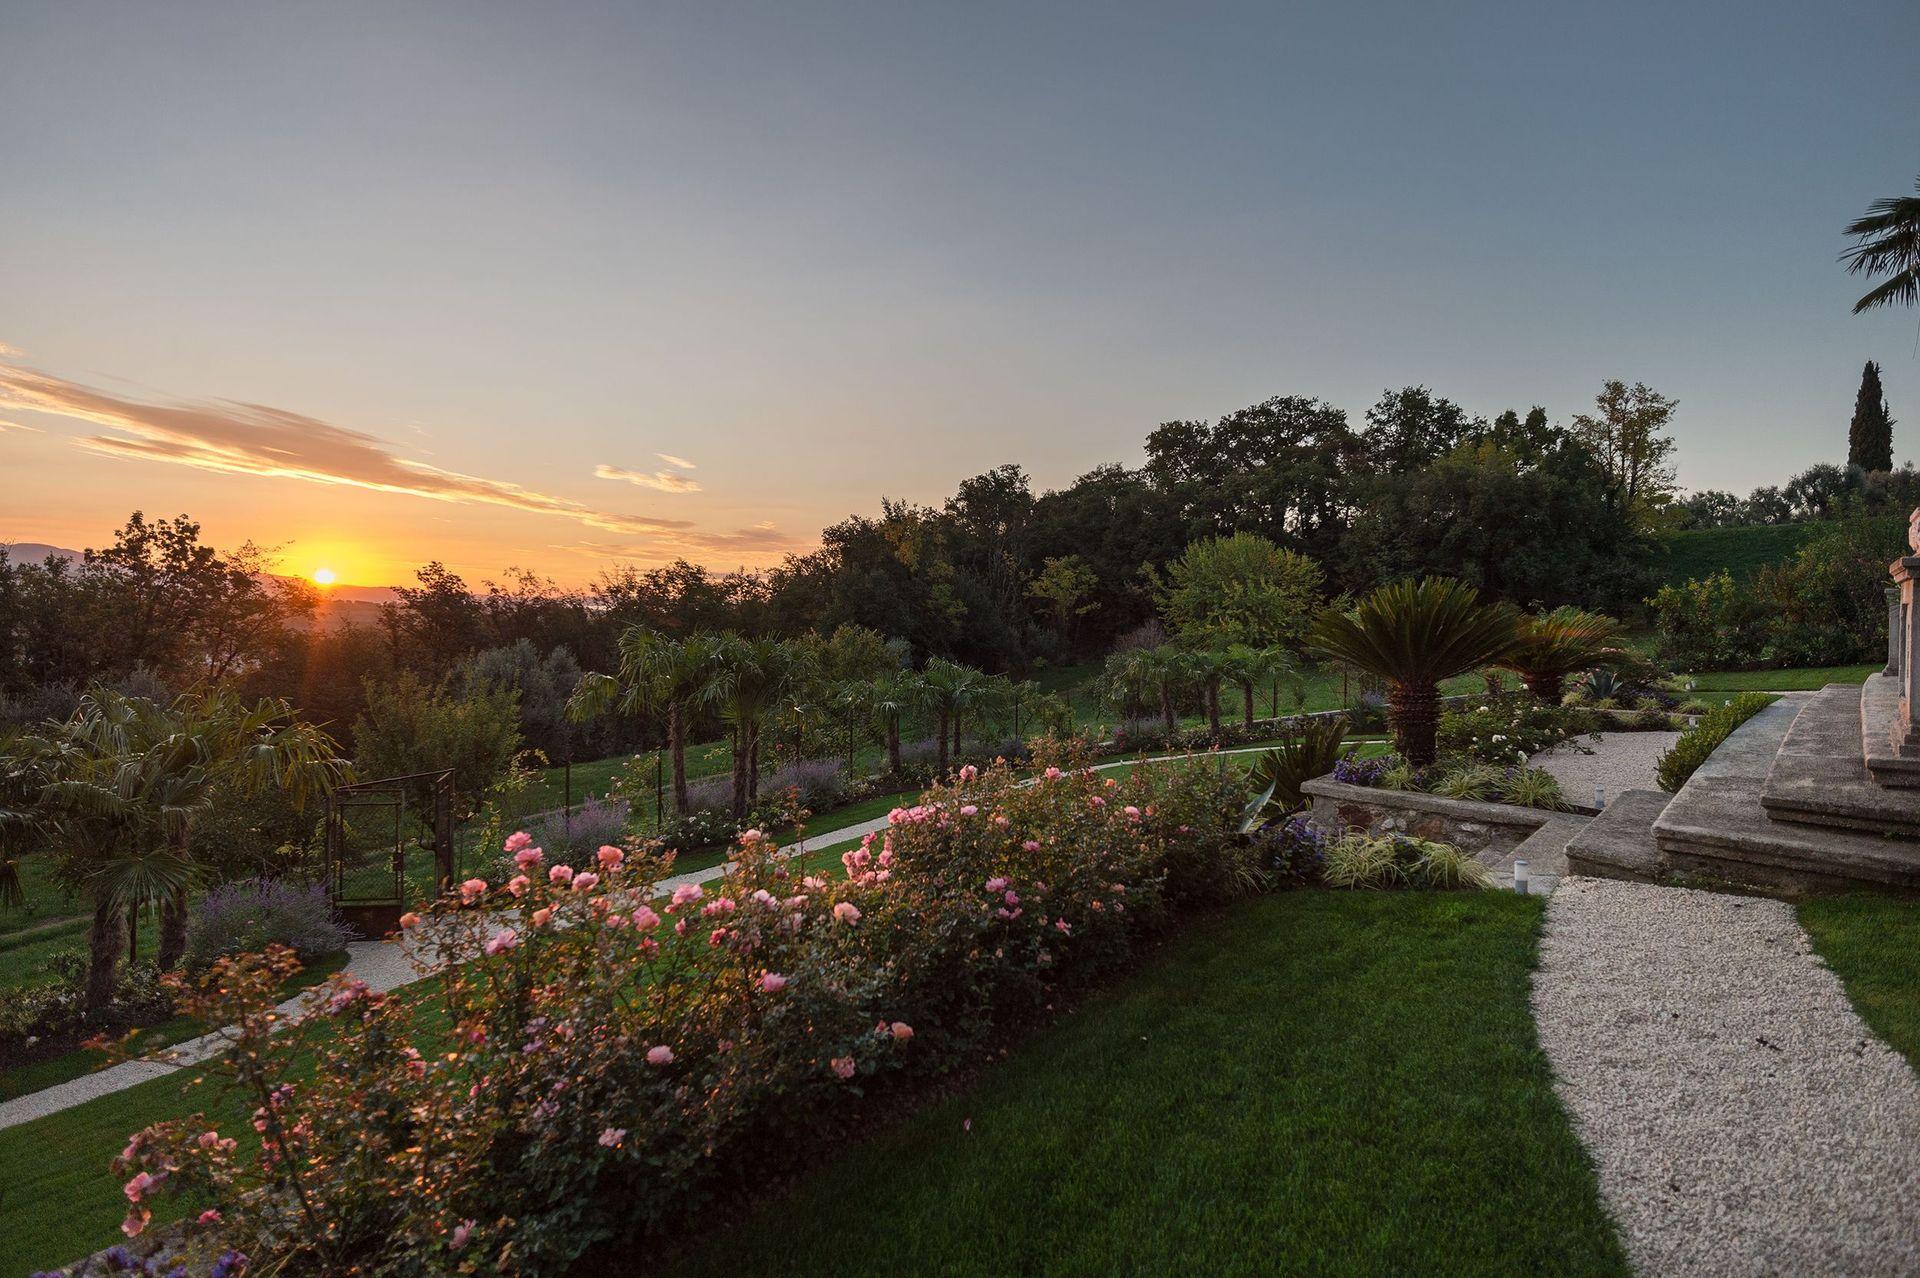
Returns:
(339,605)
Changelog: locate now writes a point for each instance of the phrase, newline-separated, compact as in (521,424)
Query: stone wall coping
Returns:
(1507,814)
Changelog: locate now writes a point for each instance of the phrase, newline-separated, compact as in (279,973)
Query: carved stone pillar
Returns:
(1905,731)
(1896,630)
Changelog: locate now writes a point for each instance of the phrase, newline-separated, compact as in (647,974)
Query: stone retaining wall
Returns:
(1467,824)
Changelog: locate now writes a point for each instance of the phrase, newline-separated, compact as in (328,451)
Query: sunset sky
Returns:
(581,284)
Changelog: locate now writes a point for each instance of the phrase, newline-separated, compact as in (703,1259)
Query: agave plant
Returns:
(1278,774)
(1563,643)
(1414,635)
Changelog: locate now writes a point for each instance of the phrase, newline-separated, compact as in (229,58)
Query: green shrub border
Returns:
(1705,736)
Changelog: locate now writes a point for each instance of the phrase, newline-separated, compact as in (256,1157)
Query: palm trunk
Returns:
(1414,712)
(893,744)
(1546,688)
(173,917)
(103,951)
(1246,702)
(1213,708)
(677,747)
(739,805)
(957,752)
(753,763)
(941,732)
(1166,708)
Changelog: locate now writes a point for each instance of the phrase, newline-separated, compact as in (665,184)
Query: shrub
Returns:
(1710,624)
(52,1015)
(1505,730)
(607,1065)
(1699,741)
(249,915)
(1278,774)
(1294,851)
(1360,860)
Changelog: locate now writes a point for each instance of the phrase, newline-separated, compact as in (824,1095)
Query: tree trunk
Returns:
(1166,709)
(753,763)
(677,747)
(1246,702)
(173,917)
(893,744)
(103,951)
(956,736)
(1413,710)
(739,805)
(133,935)
(1213,708)
(1546,688)
(940,731)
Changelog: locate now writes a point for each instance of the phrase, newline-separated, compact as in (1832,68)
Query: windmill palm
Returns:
(750,679)
(661,678)
(1564,642)
(1888,243)
(1248,667)
(893,697)
(1209,667)
(1415,635)
(950,690)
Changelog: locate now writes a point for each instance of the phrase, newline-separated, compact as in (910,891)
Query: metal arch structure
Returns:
(385,839)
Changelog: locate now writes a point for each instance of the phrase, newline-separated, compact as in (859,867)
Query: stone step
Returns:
(1544,851)
(1618,844)
(1820,775)
(1716,827)
(1879,708)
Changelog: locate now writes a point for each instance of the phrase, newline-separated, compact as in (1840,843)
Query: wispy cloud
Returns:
(660,480)
(255,439)
(11,352)
(7,425)
(678,463)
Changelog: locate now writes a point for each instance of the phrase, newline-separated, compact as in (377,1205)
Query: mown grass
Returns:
(1872,941)
(1314,1082)
(1701,552)
(1790,679)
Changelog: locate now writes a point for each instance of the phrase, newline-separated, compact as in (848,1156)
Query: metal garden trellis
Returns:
(368,842)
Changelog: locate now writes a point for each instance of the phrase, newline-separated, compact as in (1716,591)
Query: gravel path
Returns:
(1620,761)
(1742,1118)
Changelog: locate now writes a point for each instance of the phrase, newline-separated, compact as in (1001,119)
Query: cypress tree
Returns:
(1870,437)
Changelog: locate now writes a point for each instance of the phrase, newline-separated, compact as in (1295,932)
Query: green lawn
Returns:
(1791,679)
(1314,1082)
(1872,941)
(1701,552)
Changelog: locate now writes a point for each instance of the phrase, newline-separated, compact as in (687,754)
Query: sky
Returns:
(560,286)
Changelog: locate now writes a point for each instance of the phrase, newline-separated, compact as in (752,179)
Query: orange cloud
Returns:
(661,480)
(255,439)
(678,463)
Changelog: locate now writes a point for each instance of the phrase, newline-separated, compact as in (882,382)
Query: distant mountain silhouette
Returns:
(359,604)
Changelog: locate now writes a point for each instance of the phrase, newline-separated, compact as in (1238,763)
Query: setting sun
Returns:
(323,576)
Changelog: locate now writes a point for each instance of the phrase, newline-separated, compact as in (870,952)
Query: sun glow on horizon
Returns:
(323,576)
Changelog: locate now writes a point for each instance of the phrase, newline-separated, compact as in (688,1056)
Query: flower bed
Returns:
(611,1060)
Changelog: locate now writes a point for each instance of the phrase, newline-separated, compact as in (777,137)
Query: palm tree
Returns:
(1414,635)
(117,786)
(950,690)
(1141,676)
(750,679)
(1562,643)
(656,676)
(1210,667)
(1248,667)
(892,698)
(1888,244)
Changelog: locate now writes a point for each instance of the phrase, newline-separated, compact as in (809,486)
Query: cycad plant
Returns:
(1414,635)
(1277,775)
(1565,642)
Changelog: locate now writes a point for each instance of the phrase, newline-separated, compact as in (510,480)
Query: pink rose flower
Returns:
(461,1232)
(560,874)
(1051,774)
(612,1136)
(472,890)
(517,840)
(540,917)
(527,858)
(661,1055)
(687,892)
(843,1067)
(846,912)
(585,882)
(211,1216)
(999,884)
(409,919)
(609,856)
(968,809)
(645,919)
(772,982)
(1031,845)
(502,941)
(901,1031)
(519,884)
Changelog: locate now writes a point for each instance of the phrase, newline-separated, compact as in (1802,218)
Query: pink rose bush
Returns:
(576,1074)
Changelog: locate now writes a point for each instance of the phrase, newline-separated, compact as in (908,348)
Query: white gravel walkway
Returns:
(1742,1118)
(1620,761)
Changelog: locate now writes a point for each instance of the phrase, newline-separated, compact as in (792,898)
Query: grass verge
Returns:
(1314,1082)
(1872,941)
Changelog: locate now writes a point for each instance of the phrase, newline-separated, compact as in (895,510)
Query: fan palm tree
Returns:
(1563,643)
(1209,667)
(1414,635)
(657,677)
(1247,667)
(892,699)
(120,783)
(950,690)
(1888,244)
(750,678)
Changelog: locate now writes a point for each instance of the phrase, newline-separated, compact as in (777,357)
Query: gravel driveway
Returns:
(1742,1118)
(1620,761)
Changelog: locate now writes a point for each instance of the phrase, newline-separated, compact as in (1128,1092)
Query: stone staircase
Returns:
(1792,801)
